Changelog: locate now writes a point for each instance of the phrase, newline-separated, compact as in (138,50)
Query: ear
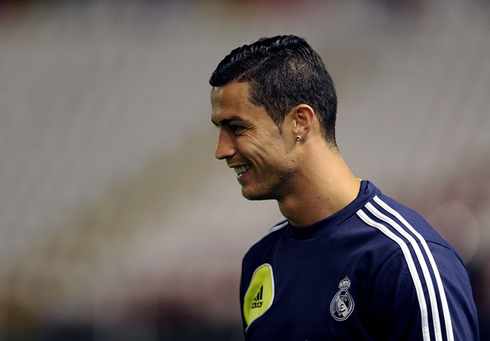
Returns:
(303,117)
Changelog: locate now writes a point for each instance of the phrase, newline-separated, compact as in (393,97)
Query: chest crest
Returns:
(342,304)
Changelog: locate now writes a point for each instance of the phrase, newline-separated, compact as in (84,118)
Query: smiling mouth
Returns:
(241,169)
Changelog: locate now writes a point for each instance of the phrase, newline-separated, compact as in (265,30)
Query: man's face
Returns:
(252,144)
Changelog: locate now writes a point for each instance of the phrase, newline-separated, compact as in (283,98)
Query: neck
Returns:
(325,187)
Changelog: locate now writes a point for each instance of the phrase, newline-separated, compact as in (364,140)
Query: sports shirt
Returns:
(375,270)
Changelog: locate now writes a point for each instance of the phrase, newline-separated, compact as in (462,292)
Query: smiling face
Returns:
(252,144)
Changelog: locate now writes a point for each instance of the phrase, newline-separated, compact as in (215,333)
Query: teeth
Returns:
(242,169)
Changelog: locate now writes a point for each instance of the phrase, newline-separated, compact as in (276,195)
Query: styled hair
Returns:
(283,72)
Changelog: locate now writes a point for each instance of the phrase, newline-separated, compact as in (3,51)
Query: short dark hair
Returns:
(283,72)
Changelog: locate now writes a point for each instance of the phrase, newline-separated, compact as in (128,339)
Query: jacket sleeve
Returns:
(431,300)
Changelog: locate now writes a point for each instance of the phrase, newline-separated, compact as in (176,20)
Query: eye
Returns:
(236,129)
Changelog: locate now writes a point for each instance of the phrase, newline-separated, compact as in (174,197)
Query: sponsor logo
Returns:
(260,294)
(258,302)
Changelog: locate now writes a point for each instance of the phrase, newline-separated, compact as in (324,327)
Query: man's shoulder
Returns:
(383,210)
(268,238)
(400,225)
(272,232)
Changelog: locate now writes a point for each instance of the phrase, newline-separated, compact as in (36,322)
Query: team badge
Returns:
(342,304)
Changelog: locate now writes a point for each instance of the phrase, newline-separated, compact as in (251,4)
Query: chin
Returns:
(251,195)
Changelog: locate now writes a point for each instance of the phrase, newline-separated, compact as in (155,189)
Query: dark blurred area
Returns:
(116,221)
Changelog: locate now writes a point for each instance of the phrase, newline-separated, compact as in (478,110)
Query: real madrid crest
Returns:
(342,304)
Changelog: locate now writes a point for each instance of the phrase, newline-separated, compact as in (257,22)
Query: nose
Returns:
(226,147)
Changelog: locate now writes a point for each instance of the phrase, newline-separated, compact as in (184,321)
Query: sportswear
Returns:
(375,270)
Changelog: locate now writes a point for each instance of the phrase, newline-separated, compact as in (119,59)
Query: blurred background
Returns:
(116,221)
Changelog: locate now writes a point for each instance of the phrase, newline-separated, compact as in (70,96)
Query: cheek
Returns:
(258,148)
(265,149)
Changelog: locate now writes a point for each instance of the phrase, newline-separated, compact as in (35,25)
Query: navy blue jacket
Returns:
(376,270)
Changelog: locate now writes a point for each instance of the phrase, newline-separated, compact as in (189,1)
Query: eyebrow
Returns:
(226,121)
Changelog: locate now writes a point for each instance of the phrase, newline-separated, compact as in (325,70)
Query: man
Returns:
(347,262)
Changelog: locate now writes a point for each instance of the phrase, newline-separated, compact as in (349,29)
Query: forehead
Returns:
(232,100)
(230,93)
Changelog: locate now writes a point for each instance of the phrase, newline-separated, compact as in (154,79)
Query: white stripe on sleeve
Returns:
(440,287)
(411,268)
